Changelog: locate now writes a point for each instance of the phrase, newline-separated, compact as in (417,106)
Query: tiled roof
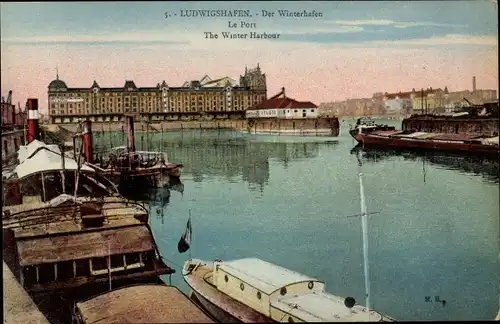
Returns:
(407,94)
(282,103)
(399,95)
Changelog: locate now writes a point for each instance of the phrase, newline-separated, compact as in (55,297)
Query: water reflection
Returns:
(234,157)
(485,167)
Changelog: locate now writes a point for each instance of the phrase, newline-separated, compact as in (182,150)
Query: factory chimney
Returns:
(473,84)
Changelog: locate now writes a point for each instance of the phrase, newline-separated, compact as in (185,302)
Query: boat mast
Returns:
(364,225)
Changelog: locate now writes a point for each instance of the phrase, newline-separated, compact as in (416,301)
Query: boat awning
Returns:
(44,159)
(142,304)
(26,151)
(84,245)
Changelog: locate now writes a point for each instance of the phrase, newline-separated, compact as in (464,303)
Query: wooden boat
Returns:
(373,136)
(55,241)
(367,125)
(126,166)
(255,291)
(430,141)
(68,243)
(140,304)
(153,166)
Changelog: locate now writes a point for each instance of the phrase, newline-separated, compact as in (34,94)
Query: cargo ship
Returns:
(377,136)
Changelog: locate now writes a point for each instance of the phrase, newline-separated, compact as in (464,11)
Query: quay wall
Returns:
(294,126)
(331,125)
(18,306)
(467,126)
(159,126)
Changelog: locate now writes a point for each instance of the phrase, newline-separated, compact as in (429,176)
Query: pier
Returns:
(18,305)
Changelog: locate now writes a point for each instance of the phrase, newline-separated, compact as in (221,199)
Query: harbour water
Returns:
(434,234)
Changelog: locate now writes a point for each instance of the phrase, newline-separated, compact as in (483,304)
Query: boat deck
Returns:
(18,306)
(142,304)
(200,281)
(431,136)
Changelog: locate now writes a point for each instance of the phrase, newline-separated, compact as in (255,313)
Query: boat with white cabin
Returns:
(252,290)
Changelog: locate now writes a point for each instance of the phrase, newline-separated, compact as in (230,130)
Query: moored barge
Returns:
(412,140)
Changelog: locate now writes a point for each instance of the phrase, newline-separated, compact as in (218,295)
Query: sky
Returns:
(352,51)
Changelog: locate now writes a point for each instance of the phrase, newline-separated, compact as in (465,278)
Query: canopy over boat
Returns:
(26,151)
(38,157)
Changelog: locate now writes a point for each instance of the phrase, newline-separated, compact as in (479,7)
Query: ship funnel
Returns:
(33,128)
(87,141)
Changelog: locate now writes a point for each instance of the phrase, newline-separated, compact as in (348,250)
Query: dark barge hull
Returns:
(368,140)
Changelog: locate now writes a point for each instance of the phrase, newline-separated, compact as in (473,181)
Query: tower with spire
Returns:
(254,79)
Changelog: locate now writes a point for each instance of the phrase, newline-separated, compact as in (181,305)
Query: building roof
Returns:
(263,275)
(283,103)
(57,84)
(84,245)
(142,304)
(399,95)
(129,84)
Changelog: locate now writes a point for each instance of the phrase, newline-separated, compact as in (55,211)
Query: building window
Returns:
(295,110)
(53,112)
(312,110)
(53,105)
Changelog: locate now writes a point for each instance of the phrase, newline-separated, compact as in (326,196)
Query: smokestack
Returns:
(473,84)
(32,128)
(130,133)
(88,148)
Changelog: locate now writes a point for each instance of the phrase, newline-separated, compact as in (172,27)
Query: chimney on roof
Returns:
(473,84)
(283,91)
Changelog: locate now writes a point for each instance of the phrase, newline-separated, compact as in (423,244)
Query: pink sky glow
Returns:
(308,71)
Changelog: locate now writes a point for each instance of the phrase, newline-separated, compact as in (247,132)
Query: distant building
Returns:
(284,107)
(353,107)
(398,103)
(220,98)
(12,128)
(428,101)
